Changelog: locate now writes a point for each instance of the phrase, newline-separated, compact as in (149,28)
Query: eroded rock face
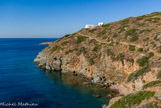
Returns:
(98,73)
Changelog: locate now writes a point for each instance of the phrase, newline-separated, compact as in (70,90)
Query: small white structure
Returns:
(89,26)
(92,26)
(100,23)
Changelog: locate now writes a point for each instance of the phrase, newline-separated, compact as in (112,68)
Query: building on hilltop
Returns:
(92,26)
(89,26)
(100,23)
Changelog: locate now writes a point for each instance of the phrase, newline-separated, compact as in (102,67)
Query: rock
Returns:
(110,95)
(97,96)
(45,43)
(158,95)
(96,79)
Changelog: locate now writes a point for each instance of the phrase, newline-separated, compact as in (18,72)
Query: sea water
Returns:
(23,84)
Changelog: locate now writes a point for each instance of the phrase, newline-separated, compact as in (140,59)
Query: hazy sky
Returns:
(55,18)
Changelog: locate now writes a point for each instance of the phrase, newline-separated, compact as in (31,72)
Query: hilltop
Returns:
(123,55)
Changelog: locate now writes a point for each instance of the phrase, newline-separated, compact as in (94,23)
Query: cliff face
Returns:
(125,55)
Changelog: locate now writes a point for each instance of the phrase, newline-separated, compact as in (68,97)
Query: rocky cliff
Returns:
(123,55)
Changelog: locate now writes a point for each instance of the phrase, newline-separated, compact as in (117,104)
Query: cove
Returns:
(22,81)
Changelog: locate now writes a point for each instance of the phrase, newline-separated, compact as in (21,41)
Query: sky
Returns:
(55,18)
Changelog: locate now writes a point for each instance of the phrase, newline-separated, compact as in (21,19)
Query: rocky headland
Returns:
(123,55)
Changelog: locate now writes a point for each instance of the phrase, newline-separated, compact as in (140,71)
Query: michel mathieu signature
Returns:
(18,104)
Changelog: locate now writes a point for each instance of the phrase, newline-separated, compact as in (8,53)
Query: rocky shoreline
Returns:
(80,79)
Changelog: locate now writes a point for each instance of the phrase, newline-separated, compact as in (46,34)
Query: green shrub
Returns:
(142,61)
(109,52)
(69,51)
(105,25)
(55,48)
(91,61)
(111,44)
(100,55)
(153,43)
(83,50)
(122,29)
(103,32)
(149,55)
(96,48)
(131,47)
(146,39)
(130,60)
(132,100)
(156,13)
(64,43)
(133,38)
(152,83)
(136,74)
(117,43)
(120,56)
(149,19)
(159,75)
(140,17)
(140,50)
(81,39)
(115,35)
(131,32)
(159,49)
(141,24)
(156,20)
(67,35)
(92,30)
(156,38)
(92,41)
(125,21)
(145,31)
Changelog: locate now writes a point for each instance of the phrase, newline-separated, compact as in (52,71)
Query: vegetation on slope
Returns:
(153,83)
(136,74)
(159,75)
(80,39)
(133,99)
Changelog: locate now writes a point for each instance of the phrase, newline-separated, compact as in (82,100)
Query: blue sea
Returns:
(21,80)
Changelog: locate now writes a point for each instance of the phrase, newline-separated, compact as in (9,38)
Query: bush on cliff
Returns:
(142,61)
(144,31)
(150,84)
(132,100)
(120,56)
(140,49)
(131,32)
(138,73)
(80,39)
(159,75)
(149,55)
(159,49)
(64,43)
(55,48)
(131,47)
(96,48)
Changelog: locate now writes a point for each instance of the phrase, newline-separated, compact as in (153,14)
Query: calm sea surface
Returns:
(22,81)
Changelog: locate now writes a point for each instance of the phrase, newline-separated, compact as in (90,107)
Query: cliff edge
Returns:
(123,55)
